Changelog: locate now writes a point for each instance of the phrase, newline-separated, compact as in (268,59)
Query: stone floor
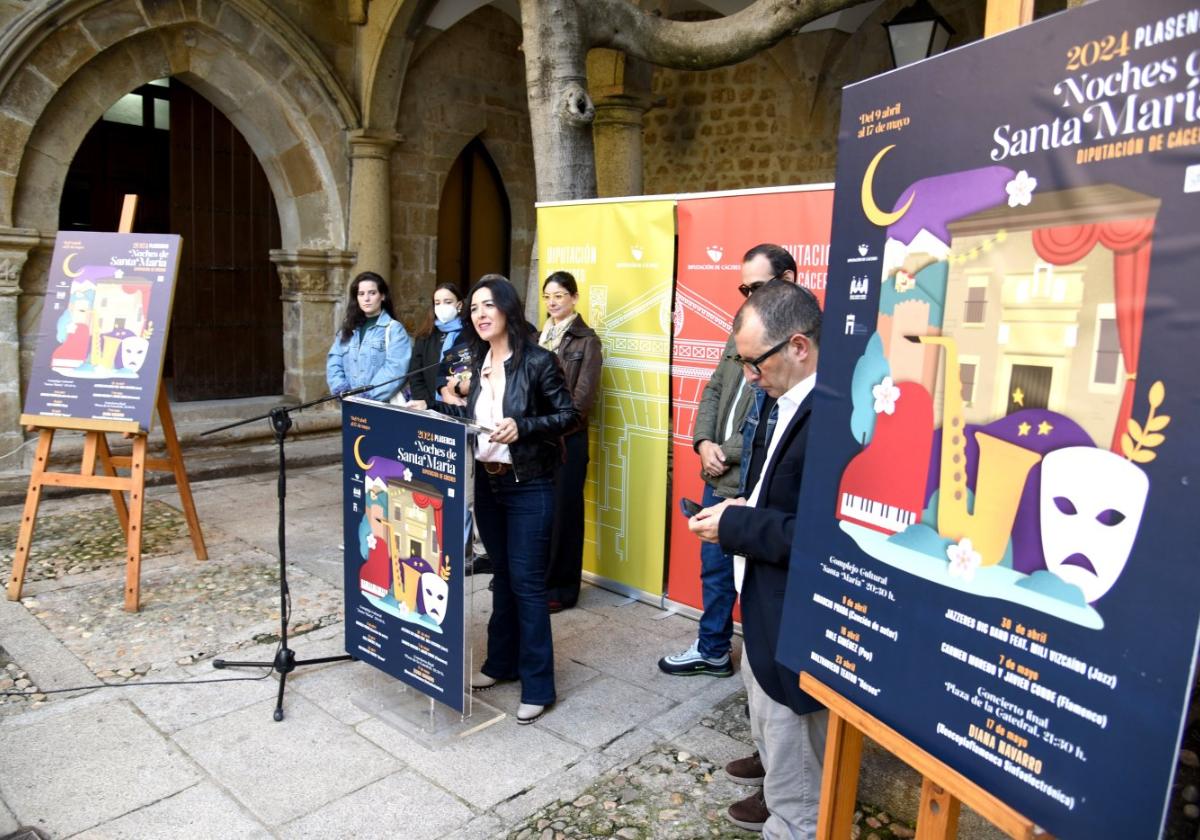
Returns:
(627,751)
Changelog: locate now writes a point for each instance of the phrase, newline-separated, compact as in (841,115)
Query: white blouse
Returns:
(489,411)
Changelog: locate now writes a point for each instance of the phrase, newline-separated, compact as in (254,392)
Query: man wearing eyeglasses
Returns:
(717,439)
(776,333)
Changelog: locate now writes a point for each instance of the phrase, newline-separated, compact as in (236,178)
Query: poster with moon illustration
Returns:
(405,525)
(103,331)
(996,557)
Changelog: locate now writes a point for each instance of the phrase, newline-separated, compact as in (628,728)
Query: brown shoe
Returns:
(750,813)
(746,771)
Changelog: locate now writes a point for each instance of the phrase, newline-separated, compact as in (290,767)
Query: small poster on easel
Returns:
(103,332)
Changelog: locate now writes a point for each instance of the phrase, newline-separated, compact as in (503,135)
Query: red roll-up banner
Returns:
(714,233)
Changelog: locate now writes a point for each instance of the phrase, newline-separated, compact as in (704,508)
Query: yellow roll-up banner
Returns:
(622,255)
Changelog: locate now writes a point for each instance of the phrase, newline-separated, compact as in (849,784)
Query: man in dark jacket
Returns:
(717,439)
(776,334)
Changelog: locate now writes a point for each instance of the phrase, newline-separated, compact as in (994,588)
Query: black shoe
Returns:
(479,565)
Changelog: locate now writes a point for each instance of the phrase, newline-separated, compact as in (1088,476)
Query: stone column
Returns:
(314,284)
(620,90)
(15,245)
(371,201)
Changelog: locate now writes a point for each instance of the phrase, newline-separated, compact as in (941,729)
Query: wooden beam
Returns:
(1003,15)
(128,211)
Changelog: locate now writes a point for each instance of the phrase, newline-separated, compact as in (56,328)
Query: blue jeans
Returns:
(717,592)
(515,519)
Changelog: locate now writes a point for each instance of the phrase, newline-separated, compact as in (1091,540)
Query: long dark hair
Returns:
(426,328)
(505,296)
(355,317)
(565,279)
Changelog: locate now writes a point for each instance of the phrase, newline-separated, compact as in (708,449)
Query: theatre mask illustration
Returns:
(1092,504)
(133,353)
(431,597)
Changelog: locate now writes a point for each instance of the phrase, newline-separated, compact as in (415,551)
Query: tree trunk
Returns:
(559,33)
(560,110)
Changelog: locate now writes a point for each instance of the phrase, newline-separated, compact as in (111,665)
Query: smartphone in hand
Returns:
(689,508)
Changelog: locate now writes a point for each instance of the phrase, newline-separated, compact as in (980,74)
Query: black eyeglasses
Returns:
(753,364)
(750,289)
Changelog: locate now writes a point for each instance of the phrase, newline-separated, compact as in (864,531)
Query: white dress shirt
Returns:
(786,407)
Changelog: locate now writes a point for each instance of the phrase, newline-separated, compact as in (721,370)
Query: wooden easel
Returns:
(95,446)
(943,789)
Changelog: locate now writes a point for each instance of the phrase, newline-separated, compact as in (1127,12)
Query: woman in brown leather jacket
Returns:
(578,349)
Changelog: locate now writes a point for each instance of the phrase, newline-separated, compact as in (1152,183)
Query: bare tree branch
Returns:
(702,45)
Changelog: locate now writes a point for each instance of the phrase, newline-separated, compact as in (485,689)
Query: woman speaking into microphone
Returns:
(518,391)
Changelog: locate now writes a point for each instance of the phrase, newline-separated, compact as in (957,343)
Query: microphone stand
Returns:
(281,421)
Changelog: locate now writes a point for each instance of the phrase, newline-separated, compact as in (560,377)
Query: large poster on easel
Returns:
(715,231)
(103,331)
(405,518)
(994,541)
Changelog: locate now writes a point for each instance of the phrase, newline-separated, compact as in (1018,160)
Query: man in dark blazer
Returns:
(776,333)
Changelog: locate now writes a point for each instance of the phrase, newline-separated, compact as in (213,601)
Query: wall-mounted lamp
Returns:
(917,32)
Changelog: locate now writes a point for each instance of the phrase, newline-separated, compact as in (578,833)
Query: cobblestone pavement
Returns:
(671,793)
(13,679)
(190,610)
(90,539)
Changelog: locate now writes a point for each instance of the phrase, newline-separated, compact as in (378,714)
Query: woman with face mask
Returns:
(440,333)
(371,347)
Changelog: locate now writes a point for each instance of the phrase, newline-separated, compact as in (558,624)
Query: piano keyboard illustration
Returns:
(877,514)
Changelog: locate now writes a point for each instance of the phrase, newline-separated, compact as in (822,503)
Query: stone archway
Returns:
(62,66)
(466,83)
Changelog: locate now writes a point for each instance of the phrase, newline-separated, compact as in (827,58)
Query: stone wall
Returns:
(773,119)
(469,82)
(328,25)
(759,123)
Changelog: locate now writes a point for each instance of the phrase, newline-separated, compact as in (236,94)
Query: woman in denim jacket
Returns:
(372,347)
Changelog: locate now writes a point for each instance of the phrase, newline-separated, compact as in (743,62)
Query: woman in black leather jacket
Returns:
(517,390)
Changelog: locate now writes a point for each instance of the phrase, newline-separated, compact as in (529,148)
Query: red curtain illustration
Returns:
(1129,240)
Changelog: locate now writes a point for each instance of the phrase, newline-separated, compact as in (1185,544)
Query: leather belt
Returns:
(496,467)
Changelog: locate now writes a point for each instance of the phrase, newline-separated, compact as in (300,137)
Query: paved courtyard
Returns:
(627,751)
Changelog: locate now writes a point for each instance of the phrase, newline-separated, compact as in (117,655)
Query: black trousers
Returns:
(566,538)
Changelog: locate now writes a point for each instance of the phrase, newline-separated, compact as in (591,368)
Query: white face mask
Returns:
(431,598)
(1091,506)
(445,311)
(133,353)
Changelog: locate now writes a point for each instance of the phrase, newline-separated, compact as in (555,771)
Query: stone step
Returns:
(314,439)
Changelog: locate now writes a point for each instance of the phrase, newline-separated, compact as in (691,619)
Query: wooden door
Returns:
(227,328)
(474,220)
(1029,387)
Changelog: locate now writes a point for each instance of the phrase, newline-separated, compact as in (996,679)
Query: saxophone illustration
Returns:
(1000,474)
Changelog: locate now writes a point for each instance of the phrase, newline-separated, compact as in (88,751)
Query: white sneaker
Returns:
(481,681)
(529,712)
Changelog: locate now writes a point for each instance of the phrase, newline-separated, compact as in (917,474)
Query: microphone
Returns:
(451,357)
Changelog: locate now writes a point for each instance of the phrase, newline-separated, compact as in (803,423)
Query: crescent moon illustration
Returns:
(874,214)
(358,458)
(66,266)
